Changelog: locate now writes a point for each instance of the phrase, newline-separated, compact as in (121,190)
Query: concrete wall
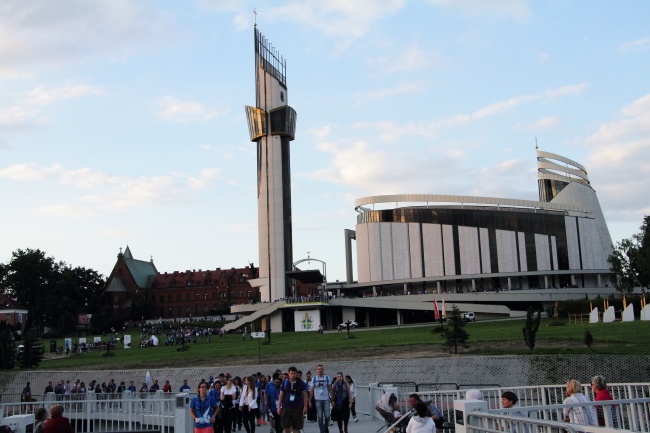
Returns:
(494,370)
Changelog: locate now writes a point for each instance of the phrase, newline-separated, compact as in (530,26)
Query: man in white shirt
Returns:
(321,393)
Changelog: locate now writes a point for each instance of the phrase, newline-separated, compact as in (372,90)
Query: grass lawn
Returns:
(486,338)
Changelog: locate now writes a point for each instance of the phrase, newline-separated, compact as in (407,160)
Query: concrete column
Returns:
(399,317)
(509,283)
(473,284)
(545,281)
(374,290)
(599,282)
(438,286)
(406,288)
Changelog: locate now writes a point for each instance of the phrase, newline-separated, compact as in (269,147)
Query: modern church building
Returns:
(467,244)
(483,254)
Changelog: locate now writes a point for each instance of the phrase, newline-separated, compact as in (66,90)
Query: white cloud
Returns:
(510,9)
(17,118)
(42,96)
(410,59)
(90,192)
(637,45)
(403,89)
(619,162)
(543,123)
(430,129)
(38,36)
(173,110)
(343,19)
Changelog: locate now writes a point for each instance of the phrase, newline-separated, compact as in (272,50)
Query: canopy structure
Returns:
(308,276)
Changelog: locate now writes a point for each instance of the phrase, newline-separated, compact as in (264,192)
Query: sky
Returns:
(122,122)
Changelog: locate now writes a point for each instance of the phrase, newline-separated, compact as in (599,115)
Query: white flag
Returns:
(148,379)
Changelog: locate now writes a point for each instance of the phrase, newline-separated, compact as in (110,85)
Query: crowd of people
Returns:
(283,399)
(226,403)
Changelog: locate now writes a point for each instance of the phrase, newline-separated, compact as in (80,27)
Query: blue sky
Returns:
(122,122)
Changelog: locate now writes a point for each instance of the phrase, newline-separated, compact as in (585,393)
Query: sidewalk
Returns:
(365,425)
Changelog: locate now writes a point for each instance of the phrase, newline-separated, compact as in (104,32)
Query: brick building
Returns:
(135,284)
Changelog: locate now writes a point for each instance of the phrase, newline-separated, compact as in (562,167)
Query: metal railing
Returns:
(106,412)
(628,415)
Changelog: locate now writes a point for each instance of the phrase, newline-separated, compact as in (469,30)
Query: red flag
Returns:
(436,312)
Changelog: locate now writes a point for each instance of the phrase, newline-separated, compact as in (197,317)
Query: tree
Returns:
(531,326)
(32,353)
(54,293)
(454,335)
(630,260)
(6,347)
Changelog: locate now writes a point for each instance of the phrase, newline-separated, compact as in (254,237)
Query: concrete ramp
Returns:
(262,312)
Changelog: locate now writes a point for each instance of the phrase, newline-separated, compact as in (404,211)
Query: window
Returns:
(250,293)
(169,298)
(196,296)
(187,296)
(205,296)
(241,293)
(178,311)
(178,297)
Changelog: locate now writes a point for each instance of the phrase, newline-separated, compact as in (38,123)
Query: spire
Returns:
(127,253)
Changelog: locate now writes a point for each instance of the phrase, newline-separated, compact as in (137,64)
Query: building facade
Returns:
(461,244)
(135,289)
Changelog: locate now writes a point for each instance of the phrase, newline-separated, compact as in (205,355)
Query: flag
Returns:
(436,312)
(444,310)
(148,379)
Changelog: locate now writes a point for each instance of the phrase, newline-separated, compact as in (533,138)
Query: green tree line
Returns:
(54,293)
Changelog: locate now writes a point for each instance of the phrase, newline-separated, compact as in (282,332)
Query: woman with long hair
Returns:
(353,397)
(248,404)
(341,399)
(228,394)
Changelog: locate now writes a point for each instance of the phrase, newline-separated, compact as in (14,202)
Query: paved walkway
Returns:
(365,425)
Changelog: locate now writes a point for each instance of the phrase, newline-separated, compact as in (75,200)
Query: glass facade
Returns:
(283,122)
(526,221)
(548,189)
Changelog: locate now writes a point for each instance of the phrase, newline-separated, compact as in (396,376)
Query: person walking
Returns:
(293,402)
(272,396)
(228,395)
(248,404)
(320,394)
(203,410)
(341,400)
(353,397)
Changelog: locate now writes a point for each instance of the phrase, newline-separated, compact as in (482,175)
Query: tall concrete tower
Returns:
(272,125)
